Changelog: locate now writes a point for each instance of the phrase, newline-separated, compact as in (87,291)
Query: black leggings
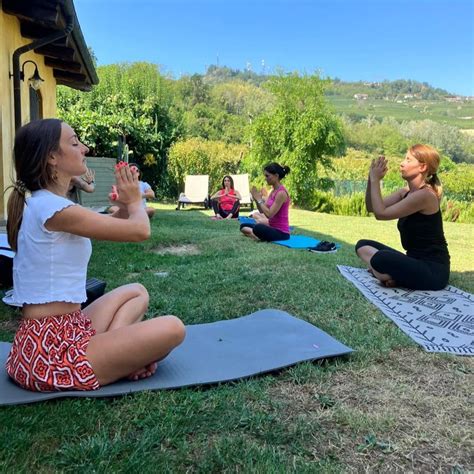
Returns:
(408,272)
(266,233)
(218,210)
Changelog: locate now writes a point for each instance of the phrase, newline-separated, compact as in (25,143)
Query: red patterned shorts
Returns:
(49,354)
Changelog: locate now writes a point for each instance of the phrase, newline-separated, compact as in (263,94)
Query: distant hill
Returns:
(391,90)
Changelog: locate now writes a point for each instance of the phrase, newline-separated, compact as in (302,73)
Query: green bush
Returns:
(198,156)
(353,205)
(457,211)
(458,183)
(322,201)
(132,102)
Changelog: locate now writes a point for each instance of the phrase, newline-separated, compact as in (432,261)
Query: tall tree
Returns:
(300,131)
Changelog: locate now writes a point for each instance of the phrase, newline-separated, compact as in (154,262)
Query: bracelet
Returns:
(260,201)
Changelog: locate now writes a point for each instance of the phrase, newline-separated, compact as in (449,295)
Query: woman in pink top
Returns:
(226,202)
(272,220)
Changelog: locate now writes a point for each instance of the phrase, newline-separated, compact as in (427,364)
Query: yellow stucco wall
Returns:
(10,40)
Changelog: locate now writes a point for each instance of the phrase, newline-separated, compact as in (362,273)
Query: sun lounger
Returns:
(196,191)
(241,184)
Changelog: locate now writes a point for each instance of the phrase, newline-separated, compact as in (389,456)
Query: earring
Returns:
(54,174)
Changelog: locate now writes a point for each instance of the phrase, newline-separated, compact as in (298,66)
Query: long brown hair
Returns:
(429,156)
(34,143)
(230,179)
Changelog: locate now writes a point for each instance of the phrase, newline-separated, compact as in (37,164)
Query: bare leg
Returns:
(123,306)
(366,253)
(120,308)
(150,211)
(120,352)
(248,232)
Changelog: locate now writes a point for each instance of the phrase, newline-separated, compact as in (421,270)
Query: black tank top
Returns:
(422,237)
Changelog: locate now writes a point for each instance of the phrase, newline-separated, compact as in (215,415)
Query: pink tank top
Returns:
(280,220)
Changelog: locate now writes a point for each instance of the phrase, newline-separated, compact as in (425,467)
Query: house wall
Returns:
(10,40)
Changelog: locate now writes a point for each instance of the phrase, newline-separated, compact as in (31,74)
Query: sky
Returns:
(369,40)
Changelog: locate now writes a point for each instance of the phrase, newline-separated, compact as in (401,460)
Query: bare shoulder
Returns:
(430,198)
(402,192)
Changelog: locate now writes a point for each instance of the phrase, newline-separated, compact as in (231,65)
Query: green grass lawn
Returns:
(390,406)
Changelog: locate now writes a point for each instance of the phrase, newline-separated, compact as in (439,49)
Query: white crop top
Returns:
(48,266)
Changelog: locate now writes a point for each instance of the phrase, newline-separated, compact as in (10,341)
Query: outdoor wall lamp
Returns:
(35,80)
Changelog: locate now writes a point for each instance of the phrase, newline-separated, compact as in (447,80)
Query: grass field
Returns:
(455,114)
(388,407)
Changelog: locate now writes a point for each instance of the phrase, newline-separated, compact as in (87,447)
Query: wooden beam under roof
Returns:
(42,12)
(32,30)
(61,64)
(69,76)
(42,18)
(60,52)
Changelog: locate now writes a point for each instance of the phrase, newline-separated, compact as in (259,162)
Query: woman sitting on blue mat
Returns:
(58,346)
(417,208)
(272,221)
(226,202)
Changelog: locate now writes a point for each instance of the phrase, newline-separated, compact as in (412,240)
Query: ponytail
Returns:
(15,206)
(435,184)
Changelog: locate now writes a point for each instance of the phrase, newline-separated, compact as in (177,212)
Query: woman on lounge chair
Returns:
(417,208)
(272,221)
(58,346)
(226,202)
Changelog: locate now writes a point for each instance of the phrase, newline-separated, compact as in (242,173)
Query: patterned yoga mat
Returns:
(440,321)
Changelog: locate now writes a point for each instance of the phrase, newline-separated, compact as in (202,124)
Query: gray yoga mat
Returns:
(216,352)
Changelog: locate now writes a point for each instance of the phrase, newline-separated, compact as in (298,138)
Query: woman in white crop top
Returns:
(58,346)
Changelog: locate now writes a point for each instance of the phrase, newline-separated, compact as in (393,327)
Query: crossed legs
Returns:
(124,344)
(393,268)
(366,249)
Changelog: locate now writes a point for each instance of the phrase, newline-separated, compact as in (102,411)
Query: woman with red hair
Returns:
(417,208)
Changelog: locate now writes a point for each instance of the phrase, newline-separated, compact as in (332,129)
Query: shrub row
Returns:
(354,205)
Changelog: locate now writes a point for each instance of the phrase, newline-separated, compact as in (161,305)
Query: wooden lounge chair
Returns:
(241,184)
(196,191)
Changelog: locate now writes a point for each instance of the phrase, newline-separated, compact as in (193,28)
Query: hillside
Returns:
(401,99)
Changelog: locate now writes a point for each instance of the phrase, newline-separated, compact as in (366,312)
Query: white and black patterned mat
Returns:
(440,321)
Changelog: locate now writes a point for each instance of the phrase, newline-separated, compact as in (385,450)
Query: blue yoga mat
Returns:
(247,220)
(215,352)
(300,242)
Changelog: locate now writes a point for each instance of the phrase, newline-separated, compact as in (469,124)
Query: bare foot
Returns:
(147,371)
